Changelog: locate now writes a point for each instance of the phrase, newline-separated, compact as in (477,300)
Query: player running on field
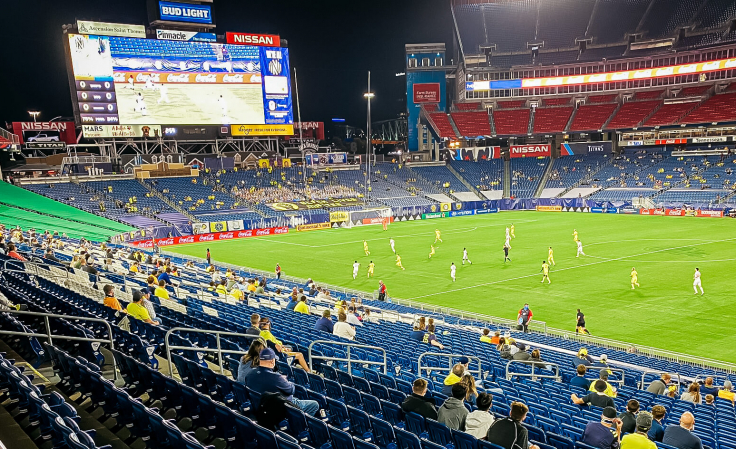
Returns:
(634,278)
(453,268)
(545,272)
(696,282)
(465,256)
(506,249)
(356,266)
(365,248)
(393,245)
(551,257)
(580,249)
(431,251)
(371,267)
(575,235)
(512,232)
(398,262)
(508,233)
(437,236)
(508,240)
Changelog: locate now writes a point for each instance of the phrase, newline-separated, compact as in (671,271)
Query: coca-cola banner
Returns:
(531,150)
(683,212)
(213,237)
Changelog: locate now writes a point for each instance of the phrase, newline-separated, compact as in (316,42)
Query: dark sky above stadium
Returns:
(333,45)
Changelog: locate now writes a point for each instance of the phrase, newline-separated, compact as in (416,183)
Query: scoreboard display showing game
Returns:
(124,82)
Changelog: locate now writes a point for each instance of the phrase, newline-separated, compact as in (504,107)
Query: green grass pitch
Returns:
(662,313)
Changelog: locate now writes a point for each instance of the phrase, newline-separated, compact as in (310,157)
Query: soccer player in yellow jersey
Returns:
(512,232)
(551,257)
(365,248)
(437,235)
(371,266)
(634,278)
(431,251)
(398,262)
(575,234)
(545,272)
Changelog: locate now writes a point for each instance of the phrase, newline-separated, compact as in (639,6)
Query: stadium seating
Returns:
(441,175)
(442,125)
(591,117)
(669,113)
(483,175)
(648,94)
(472,124)
(551,120)
(575,16)
(613,19)
(632,113)
(718,108)
(568,171)
(526,175)
(511,104)
(511,122)
(467,106)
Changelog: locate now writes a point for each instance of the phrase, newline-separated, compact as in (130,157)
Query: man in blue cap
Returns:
(265,380)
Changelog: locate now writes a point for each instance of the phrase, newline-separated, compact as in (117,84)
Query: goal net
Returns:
(369,216)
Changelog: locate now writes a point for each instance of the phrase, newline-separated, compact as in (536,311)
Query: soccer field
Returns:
(662,313)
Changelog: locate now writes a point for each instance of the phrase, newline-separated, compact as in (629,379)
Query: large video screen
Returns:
(129,81)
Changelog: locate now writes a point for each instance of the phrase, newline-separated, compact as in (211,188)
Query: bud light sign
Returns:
(184,12)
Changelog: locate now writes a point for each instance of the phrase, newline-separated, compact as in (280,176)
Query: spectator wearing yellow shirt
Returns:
(137,310)
(161,291)
(221,288)
(485,338)
(265,325)
(603,375)
(210,268)
(252,286)
(135,268)
(236,293)
(302,306)
(726,393)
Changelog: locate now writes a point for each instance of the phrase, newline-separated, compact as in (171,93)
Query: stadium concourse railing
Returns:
(535,325)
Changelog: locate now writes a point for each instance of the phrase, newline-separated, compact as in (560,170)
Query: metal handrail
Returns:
(51,337)
(449,357)
(532,374)
(350,360)
(218,350)
(643,385)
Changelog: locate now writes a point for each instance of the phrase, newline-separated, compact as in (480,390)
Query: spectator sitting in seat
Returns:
(352,318)
(478,422)
(468,381)
(14,254)
(692,394)
(659,386)
(485,338)
(606,433)
(110,300)
(454,377)
(166,276)
(431,338)
(639,439)
(265,325)
(453,412)
(302,306)
(521,354)
(325,323)
(601,363)
(263,379)
(250,361)
(342,328)
(603,375)
(580,380)
(597,398)
(418,402)
(149,305)
(708,387)
(254,328)
(726,392)
(681,436)
(510,433)
(710,399)
(582,358)
(221,288)
(137,310)
(293,300)
(416,334)
(236,292)
(656,433)
(629,416)
(161,291)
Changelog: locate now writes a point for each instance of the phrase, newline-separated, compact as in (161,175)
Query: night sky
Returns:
(332,43)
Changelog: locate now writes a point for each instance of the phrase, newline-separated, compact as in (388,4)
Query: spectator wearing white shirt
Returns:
(342,328)
(351,318)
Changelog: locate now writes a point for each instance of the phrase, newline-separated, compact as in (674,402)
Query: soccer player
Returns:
(356,266)
(431,251)
(223,107)
(141,104)
(634,278)
(545,272)
(398,262)
(551,257)
(365,248)
(508,240)
(696,282)
(506,249)
(508,233)
(393,248)
(580,248)
(453,268)
(575,234)
(512,231)
(163,92)
(131,83)
(384,222)
(437,235)
(465,256)
(371,267)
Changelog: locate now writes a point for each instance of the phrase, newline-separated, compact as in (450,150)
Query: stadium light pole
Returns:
(301,133)
(369,96)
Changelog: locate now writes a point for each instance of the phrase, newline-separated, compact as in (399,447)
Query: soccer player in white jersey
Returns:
(453,268)
(141,104)
(356,266)
(223,108)
(508,240)
(163,92)
(697,283)
(465,256)
(580,249)
(393,247)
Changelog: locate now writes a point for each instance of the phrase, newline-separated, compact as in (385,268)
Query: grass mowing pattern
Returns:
(663,313)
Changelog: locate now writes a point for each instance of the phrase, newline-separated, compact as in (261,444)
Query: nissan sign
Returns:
(530,150)
(259,40)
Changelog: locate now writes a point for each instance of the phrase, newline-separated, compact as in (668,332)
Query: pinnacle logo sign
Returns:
(185,36)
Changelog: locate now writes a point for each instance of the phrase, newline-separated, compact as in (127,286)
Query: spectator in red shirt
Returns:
(525,317)
(14,254)
(381,291)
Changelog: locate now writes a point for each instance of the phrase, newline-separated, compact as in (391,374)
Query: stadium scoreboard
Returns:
(136,87)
